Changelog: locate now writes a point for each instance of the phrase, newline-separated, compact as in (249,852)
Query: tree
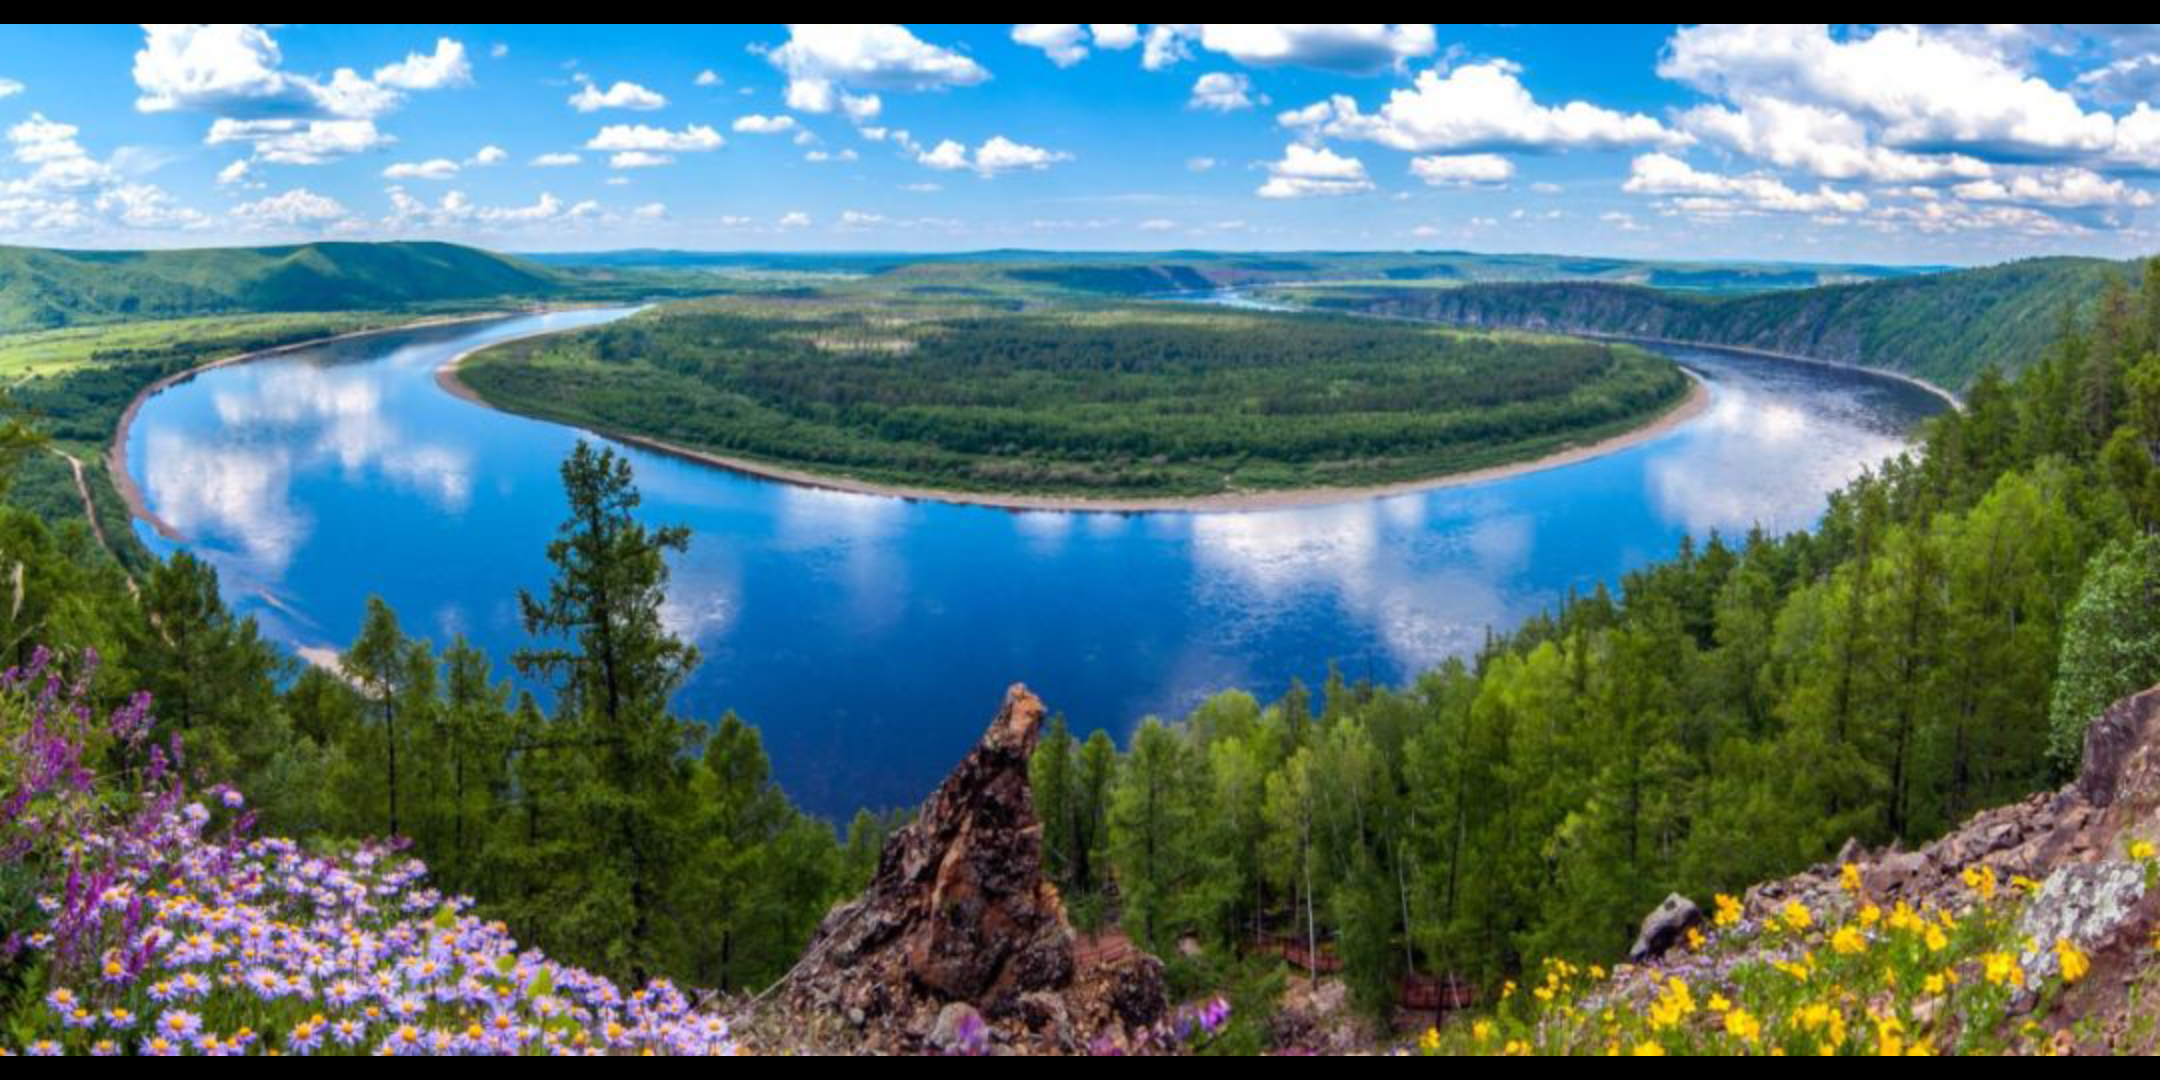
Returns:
(381,662)
(2111,645)
(615,666)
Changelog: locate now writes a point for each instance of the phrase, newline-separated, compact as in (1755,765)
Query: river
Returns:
(870,637)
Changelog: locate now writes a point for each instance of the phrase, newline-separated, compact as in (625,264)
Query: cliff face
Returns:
(961,943)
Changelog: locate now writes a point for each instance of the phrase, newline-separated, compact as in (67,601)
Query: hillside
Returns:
(43,289)
(1945,328)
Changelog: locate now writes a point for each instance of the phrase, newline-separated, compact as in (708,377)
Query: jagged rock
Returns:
(1663,928)
(960,914)
(2110,744)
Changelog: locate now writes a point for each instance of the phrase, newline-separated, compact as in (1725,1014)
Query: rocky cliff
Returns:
(960,944)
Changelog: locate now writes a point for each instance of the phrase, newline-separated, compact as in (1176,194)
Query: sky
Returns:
(1812,143)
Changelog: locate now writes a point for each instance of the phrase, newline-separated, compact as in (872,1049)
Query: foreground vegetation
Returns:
(1729,716)
(1945,328)
(1090,400)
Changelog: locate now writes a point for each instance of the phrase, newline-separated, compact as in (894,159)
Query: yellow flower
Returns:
(1430,1041)
(1981,879)
(1481,1031)
(1936,941)
(2075,964)
(1797,917)
(1649,1049)
(1849,878)
(2142,850)
(1729,911)
(2004,969)
(1696,940)
(1849,941)
(1743,1027)
(1934,985)
(1870,915)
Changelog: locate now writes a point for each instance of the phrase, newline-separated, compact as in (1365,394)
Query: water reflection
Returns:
(870,636)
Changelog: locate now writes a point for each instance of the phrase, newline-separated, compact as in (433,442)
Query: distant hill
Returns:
(1943,327)
(1134,273)
(42,289)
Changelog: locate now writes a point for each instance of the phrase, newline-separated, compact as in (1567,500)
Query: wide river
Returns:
(870,637)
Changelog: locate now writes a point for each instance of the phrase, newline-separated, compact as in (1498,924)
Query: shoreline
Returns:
(1678,415)
(116,454)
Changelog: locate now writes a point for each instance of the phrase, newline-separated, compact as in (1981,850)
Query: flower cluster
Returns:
(168,931)
(1852,978)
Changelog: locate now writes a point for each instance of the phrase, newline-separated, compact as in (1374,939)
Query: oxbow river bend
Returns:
(870,637)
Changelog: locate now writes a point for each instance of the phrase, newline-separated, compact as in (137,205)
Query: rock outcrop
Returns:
(961,943)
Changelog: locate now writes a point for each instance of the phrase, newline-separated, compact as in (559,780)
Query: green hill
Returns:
(1942,327)
(42,289)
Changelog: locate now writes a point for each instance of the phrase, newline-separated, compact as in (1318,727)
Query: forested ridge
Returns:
(1946,328)
(1092,400)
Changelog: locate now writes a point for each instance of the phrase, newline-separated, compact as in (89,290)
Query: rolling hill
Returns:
(43,289)
(1944,327)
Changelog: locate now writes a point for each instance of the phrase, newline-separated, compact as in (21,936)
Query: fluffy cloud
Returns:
(489,155)
(621,95)
(693,138)
(446,66)
(1479,107)
(10,87)
(2059,188)
(456,210)
(842,66)
(1350,48)
(300,142)
(997,154)
(1917,90)
(1716,194)
(1223,92)
(291,209)
(432,169)
(755,124)
(555,160)
(1314,170)
(1462,170)
(1064,43)
(235,70)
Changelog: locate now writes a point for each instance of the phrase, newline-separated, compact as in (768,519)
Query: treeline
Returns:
(1936,646)
(599,825)
(1130,400)
(1946,328)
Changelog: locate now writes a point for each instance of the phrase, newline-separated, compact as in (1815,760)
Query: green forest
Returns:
(1115,400)
(1946,328)
(1935,647)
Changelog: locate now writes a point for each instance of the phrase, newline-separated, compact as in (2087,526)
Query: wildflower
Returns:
(1797,917)
(1981,879)
(1849,941)
(1695,939)
(1936,940)
(179,1024)
(1849,878)
(1430,1041)
(1729,911)
(1649,1049)
(2075,964)
(2142,850)
(2003,969)
(1742,1026)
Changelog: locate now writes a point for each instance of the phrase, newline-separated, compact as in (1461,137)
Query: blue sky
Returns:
(1958,144)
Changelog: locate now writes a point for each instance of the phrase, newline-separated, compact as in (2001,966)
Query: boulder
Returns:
(1664,928)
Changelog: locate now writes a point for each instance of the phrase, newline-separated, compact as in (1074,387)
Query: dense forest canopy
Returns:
(1111,400)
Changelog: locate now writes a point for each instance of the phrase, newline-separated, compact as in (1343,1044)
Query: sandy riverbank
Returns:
(1696,402)
(116,454)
